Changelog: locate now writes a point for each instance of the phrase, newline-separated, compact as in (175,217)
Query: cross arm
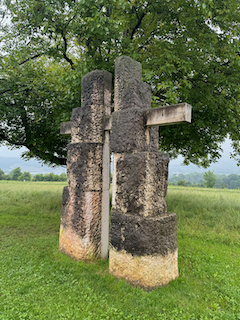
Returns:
(177,113)
(174,114)
(65,127)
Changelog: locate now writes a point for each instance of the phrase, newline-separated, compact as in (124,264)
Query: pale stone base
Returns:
(75,247)
(80,230)
(147,272)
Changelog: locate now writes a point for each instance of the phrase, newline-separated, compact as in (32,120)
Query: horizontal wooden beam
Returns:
(168,115)
(65,127)
(174,114)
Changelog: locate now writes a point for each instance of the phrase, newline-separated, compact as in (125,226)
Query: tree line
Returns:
(207,179)
(17,175)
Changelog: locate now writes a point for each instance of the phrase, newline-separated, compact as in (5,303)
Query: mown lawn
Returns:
(38,282)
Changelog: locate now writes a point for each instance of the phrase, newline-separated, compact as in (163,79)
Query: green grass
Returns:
(38,282)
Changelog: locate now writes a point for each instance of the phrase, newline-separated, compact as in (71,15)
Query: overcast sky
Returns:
(5,152)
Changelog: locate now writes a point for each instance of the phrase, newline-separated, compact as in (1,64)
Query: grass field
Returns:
(38,282)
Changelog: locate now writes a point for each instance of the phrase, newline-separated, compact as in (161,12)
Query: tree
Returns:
(38,177)
(1,174)
(49,177)
(63,177)
(25,176)
(209,179)
(189,51)
(15,173)
(6,177)
(181,183)
(32,116)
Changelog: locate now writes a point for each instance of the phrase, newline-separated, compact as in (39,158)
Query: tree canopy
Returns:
(189,51)
(209,179)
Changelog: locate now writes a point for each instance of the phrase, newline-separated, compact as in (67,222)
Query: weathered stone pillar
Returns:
(143,246)
(83,224)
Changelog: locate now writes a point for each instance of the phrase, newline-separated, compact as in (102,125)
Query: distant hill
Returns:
(225,165)
(7,164)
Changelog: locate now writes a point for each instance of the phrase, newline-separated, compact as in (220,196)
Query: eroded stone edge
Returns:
(148,272)
(75,247)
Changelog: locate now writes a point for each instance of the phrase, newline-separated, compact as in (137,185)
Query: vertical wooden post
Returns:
(105,196)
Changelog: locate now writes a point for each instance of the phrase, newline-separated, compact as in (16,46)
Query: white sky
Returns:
(5,152)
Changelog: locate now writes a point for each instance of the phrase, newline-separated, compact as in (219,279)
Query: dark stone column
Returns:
(81,216)
(143,246)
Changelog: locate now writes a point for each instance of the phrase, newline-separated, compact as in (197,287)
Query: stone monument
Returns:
(143,245)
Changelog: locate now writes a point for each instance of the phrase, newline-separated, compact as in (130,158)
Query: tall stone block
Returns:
(83,216)
(87,124)
(129,90)
(85,165)
(96,89)
(143,247)
(140,183)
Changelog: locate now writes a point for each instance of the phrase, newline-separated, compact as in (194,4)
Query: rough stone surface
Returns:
(84,166)
(96,88)
(153,138)
(144,235)
(133,94)
(147,272)
(80,232)
(126,69)
(87,124)
(129,132)
(129,90)
(140,183)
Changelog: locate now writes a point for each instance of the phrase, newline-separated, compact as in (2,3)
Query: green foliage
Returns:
(194,178)
(231,181)
(38,177)
(34,113)
(210,179)
(25,176)
(181,183)
(15,173)
(38,282)
(63,177)
(189,51)
(1,174)
(50,177)
(6,177)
